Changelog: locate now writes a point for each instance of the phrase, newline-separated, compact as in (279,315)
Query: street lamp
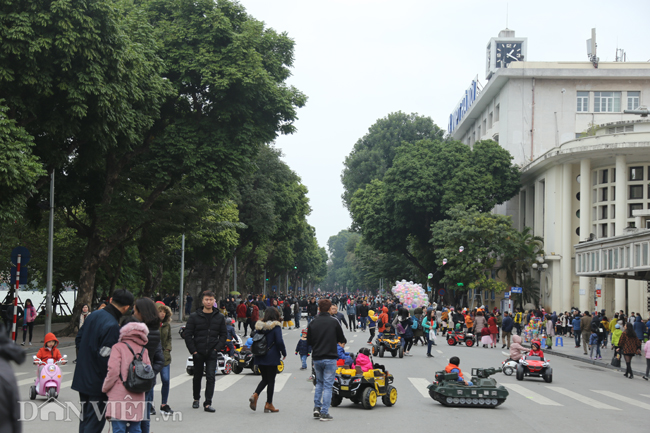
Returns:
(541,266)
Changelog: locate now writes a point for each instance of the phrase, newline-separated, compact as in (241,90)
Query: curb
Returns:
(590,361)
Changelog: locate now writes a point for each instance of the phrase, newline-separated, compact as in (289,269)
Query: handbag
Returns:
(616,361)
(400,328)
(549,342)
(432,335)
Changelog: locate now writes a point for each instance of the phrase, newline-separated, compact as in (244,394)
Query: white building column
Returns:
(585,223)
(621,223)
(566,271)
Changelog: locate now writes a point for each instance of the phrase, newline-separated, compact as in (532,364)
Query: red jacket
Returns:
(45,353)
(382,320)
(492,324)
(241,311)
(255,315)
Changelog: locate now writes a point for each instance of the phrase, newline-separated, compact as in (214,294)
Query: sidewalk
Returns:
(39,335)
(570,351)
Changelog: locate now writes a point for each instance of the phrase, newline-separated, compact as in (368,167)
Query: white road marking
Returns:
(227,381)
(505,353)
(439,351)
(25,382)
(645,395)
(537,398)
(20,374)
(346,348)
(66,384)
(284,333)
(622,398)
(174,381)
(351,341)
(355,335)
(281,380)
(582,399)
(421,384)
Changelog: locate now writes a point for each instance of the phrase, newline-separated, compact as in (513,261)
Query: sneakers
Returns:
(165,408)
(326,417)
(22,344)
(316,412)
(429,355)
(30,343)
(600,357)
(303,368)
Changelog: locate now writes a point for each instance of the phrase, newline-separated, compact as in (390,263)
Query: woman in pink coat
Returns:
(124,406)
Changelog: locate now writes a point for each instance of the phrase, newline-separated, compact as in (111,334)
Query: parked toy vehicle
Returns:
(364,388)
(534,366)
(388,342)
(448,391)
(459,337)
(509,366)
(244,359)
(48,378)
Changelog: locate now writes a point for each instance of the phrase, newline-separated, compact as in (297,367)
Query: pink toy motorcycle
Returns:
(48,379)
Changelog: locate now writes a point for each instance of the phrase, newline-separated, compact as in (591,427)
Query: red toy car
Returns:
(534,366)
(454,338)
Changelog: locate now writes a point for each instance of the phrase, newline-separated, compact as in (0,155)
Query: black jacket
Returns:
(362,310)
(205,332)
(9,395)
(323,335)
(154,348)
(312,309)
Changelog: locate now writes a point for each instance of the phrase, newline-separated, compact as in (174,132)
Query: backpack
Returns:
(416,324)
(141,376)
(260,346)
(249,311)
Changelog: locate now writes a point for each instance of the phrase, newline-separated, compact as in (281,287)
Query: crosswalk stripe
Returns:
(225,382)
(284,333)
(355,335)
(25,382)
(623,398)
(281,380)
(645,395)
(537,398)
(439,351)
(20,374)
(66,384)
(173,382)
(582,399)
(421,384)
(351,341)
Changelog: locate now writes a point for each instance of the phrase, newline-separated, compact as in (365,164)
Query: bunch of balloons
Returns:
(411,295)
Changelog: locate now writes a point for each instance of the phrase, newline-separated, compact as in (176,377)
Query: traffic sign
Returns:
(23,276)
(506,295)
(441,292)
(516,290)
(24,256)
(598,292)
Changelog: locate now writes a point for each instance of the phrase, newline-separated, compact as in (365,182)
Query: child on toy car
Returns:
(453,367)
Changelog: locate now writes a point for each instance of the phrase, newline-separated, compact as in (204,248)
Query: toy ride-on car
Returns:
(458,337)
(484,391)
(534,366)
(244,359)
(388,342)
(224,363)
(363,388)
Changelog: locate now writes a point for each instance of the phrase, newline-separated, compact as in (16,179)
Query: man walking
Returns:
(362,311)
(506,329)
(205,335)
(352,315)
(585,330)
(323,335)
(94,341)
(517,320)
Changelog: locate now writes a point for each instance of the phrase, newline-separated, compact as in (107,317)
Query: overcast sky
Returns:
(358,60)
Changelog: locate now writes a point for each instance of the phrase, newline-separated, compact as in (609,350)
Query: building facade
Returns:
(585,164)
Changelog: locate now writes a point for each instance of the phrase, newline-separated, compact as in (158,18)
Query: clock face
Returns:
(507,52)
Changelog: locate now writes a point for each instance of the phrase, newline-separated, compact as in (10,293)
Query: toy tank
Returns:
(483,393)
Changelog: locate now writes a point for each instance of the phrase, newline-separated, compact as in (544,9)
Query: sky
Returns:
(359,60)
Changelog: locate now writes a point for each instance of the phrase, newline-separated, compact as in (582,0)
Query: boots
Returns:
(253,401)
(268,408)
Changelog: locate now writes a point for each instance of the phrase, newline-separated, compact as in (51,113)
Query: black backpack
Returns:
(260,346)
(141,376)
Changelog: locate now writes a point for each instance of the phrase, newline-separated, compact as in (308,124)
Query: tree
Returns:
(517,261)
(374,153)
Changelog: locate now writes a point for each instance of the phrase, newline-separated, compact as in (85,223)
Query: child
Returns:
(49,350)
(535,350)
(594,344)
(516,349)
(124,408)
(362,360)
(382,320)
(343,355)
(372,324)
(303,349)
(230,336)
(486,338)
(453,367)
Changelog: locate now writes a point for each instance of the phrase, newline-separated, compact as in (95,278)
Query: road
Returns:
(580,394)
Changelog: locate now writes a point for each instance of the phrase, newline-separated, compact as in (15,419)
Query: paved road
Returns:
(581,394)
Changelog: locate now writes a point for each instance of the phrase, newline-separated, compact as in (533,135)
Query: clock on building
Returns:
(503,50)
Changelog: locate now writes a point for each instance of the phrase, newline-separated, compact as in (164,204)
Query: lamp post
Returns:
(540,267)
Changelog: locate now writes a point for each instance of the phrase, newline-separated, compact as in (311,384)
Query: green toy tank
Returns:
(484,391)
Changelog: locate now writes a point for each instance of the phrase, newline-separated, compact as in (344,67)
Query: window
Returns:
(613,193)
(603,194)
(604,176)
(636,192)
(633,100)
(496,113)
(619,129)
(636,173)
(478,132)
(612,211)
(583,101)
(633,207)
(484,125)
(607,102)
(490,120)
(603,212)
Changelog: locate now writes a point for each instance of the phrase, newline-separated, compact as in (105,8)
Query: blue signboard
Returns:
(506,295)
(516,290)
(463,106)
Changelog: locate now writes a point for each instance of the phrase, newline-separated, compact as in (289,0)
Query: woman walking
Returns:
(85,311)
(165,315)
(270,326)
(494,331)
(630,345)
(28,321)
(429,325)
(418,333)
(403,324)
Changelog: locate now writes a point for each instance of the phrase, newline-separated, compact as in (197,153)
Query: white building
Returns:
(585,164)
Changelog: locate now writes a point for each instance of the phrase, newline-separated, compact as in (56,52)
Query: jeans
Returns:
(297,318)
(591,350)
(429,344)
(125,426)
(268,381)
(309,319)
(209,363)
(303,358)
(576,336)
(93,408)
(164,378)
(325,371)
(363,322)
(145,424)
(353,321)
(30,327)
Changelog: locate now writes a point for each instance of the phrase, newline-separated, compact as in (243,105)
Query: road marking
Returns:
(645,395)
(421,384)
(66,384)
(225,382)
(351,341)
(25,382)
(439,351)
(355,335)
(505,353)
(284,333)
(582,399)
(174,381)
(20,374)
(280,381)
(347,348)
(537,398)
(622,398)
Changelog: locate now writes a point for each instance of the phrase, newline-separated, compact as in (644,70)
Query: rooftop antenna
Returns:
(591,48)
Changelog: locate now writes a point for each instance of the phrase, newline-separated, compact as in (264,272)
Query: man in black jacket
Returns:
(205,335)
(362,312)
(323,335)
(312,310)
